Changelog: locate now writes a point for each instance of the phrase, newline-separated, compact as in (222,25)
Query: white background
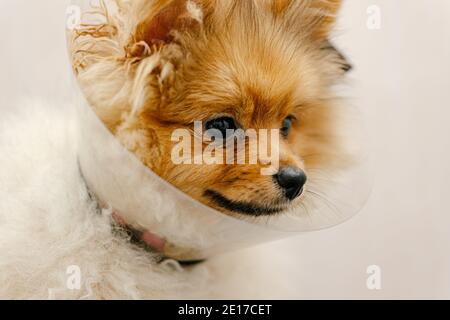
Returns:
(401,81)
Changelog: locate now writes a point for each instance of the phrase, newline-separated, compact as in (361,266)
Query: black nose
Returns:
(292,180)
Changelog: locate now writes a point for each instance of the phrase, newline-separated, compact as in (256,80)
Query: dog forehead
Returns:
(269,67)
(260,86)
(256,91)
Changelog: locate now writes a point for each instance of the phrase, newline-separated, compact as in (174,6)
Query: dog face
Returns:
(231,65)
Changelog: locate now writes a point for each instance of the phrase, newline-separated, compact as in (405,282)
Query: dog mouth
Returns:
(246,208)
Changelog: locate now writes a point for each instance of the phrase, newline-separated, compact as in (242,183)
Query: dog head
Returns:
(259,65)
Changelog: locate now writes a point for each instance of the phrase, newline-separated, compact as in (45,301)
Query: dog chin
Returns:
(246,208)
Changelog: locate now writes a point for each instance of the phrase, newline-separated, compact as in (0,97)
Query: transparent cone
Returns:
(190,229)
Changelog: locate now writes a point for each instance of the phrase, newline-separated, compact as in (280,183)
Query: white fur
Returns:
(48,222)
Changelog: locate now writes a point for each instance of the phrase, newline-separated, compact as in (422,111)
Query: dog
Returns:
(152,67)
(228,64)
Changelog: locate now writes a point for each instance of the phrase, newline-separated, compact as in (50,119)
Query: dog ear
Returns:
(171,16)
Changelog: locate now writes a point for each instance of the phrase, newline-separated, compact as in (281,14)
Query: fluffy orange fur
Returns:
(160,65)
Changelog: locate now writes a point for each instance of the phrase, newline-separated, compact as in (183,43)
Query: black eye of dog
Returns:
(286,127)
(222,124)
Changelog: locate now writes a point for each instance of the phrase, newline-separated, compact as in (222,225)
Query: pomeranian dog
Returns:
(149,68)
(260,64)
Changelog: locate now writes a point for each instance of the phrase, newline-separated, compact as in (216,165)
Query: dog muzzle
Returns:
(172,223)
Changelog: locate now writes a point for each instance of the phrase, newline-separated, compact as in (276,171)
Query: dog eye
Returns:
(286,126)
(221,124)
